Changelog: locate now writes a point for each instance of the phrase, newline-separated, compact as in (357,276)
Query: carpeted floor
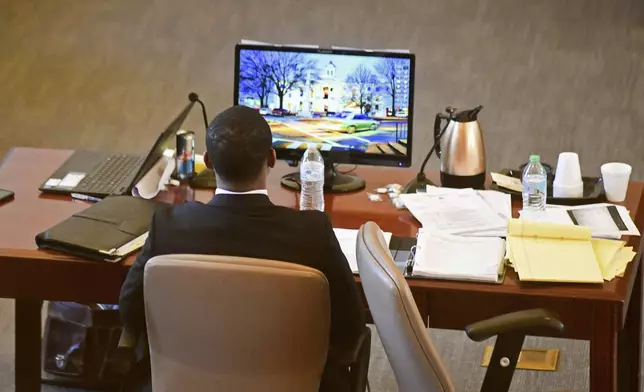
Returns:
(461,356)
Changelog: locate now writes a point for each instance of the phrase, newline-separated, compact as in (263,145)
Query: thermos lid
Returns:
(464,116)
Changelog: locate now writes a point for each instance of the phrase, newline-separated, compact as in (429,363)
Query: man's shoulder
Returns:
(199,210)
(313,217)
(181,211)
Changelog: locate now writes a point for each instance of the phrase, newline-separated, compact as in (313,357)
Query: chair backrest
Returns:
(235,324)
(414,360)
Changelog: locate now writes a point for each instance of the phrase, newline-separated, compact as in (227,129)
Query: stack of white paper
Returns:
(446,256)
(348,240)
(466,212)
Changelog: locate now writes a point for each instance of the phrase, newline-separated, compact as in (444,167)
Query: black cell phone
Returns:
(5,195)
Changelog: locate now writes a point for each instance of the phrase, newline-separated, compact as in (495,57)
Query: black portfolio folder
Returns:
(109,230)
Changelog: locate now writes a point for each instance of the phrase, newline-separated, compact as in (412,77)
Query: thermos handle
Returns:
(437,132)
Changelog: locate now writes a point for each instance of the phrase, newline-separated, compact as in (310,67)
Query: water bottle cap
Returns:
(535,159)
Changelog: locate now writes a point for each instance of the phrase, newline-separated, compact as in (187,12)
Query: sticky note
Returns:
(71,180)
(52,183)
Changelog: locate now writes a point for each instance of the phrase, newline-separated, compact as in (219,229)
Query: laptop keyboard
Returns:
(108,176)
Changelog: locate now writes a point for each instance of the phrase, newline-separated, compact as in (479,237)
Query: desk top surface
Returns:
(31,212)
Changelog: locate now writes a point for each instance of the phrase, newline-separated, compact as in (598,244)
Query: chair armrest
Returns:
(525,322)
(350,356)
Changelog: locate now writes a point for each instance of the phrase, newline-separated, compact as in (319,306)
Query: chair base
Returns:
(530,359)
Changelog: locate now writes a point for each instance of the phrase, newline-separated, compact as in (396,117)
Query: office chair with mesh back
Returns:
(416,365)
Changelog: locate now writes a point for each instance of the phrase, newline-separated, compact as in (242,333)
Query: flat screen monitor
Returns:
(356,106)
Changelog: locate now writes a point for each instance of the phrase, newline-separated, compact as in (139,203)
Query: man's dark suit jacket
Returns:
(251,226)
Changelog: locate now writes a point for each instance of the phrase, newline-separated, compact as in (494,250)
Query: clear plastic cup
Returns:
(616,176)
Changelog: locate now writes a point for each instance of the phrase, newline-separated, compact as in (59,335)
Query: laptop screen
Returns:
(165,141)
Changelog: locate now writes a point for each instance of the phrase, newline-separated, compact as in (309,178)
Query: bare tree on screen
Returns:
(362,82)
(254,75)
(386,68)
(287,69)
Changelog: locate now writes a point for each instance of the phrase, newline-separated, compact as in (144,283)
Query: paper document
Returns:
(606,252)
(460,211)
(348,239)
(620,262)
(445,256)
(133,245)
(156,179)
(500,202)
(605,220)
(507,182)
(550,252)
(117,254)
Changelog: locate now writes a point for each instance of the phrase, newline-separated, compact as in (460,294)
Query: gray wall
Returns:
(553,75)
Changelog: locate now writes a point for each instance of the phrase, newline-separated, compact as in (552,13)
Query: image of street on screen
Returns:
(337,101)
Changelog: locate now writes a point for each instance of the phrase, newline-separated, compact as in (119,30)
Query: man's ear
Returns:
(206,160)
(272,158)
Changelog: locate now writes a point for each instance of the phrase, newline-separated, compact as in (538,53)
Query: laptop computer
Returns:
(101,174)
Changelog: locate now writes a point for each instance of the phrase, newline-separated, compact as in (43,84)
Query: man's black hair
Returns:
(238,141)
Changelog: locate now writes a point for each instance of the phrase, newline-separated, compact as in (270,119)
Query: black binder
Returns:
(109,230)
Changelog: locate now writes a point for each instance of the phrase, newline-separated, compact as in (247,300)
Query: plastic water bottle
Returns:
(312,180)
(535,183)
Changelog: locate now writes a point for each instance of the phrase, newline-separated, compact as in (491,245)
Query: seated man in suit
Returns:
(240,220)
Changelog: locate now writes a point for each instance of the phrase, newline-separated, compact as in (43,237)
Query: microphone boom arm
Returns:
(193,97)
(421,181)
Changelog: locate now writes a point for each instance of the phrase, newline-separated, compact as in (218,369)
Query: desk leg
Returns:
(630,346)
(28,337)
(603,349)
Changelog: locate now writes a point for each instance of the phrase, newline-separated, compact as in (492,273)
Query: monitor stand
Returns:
(334,181)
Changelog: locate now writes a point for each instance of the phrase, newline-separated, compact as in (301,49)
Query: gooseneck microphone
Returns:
(420,182)
(193,97)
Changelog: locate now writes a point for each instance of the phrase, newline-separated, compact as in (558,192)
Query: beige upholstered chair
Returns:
(416,365)
(235,324)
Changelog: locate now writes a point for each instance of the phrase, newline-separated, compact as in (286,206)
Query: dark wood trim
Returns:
(604,349)
(630,342)
(28,335)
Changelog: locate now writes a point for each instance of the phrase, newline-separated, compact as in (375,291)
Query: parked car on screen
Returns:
(281,112)
(357,122)
(344,114)
(264,111)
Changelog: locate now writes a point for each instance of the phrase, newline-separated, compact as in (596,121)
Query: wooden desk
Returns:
(603,314)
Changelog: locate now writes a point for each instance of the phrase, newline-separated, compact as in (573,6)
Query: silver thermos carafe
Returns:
(461,149)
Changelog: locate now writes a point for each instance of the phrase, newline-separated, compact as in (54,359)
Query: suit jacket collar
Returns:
(248,200)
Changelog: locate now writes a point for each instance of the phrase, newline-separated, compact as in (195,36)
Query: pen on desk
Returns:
(79,196)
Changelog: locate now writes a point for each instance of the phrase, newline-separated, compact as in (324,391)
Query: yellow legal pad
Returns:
(550,252)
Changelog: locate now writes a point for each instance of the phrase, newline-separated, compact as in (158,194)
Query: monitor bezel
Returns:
(350,157)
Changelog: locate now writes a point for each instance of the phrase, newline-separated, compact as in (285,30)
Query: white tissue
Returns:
(156,179)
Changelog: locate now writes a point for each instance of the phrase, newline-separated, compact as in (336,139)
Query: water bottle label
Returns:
(312,171)
(310,175)
(535,188)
